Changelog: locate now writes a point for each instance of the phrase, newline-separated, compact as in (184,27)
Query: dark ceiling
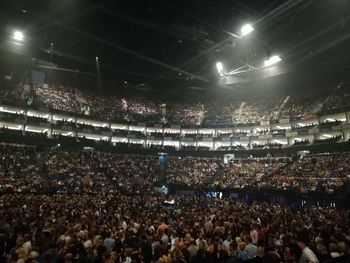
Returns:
(165,43)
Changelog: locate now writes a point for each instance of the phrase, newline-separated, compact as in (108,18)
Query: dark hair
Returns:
(303,237)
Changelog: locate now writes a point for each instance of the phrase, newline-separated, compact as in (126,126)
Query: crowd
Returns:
(23,169)
(88,206)
(94,172)
(85,171)
(309,174)
(19,170)
(227,112)
(145,228)
(300,107)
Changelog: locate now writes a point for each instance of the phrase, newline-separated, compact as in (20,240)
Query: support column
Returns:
(180,137)
(25,122)
(128,135)
(51,122)
(250,144)
(75,128)
(110,132)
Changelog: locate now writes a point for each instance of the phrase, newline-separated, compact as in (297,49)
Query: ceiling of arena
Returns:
(164,43)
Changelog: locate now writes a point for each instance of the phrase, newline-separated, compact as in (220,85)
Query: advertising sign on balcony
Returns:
(283,120)
(262,123)
(291,133)
(341,127)
(266,136)
(44,124)
(314,130)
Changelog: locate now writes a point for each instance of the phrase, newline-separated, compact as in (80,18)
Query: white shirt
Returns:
(165,240)
(254,236)
(335,254)
(127,260)
(308,256)
(198,241)
(226,244)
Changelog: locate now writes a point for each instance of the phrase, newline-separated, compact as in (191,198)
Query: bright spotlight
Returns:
(246,29)
(96,58)
(272,60)
(220,68)
(18,35)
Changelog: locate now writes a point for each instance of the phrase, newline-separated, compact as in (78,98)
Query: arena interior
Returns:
(163,131)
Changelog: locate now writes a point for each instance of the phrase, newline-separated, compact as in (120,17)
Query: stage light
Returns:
(246,29)
(18,35)
(272,60)
(220,68)
(96,58)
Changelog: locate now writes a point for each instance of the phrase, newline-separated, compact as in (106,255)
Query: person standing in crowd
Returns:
(307,256)
(254,234)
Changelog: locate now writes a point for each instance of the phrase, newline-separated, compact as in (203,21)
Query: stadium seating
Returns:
(112,108)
